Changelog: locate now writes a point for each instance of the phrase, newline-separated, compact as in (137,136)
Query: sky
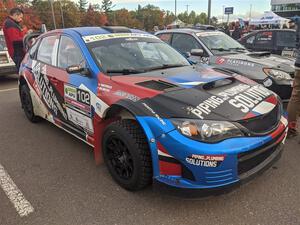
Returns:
(241,7)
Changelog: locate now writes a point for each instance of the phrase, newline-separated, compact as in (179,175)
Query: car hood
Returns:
(263,59)
(196,93)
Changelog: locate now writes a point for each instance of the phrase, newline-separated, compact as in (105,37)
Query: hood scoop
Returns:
(158,85)
(259,54)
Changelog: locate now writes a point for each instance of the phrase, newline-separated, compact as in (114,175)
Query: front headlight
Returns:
(207,130)
(277,74)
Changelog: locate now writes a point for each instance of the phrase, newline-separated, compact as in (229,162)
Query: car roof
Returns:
(187,31)
(268,30)
(86,31)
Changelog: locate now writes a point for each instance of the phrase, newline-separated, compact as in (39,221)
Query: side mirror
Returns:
(197,52)
(78,69)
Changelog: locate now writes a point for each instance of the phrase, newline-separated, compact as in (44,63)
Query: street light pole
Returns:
(62,15)
(209,11)
(175,9)
(53,16)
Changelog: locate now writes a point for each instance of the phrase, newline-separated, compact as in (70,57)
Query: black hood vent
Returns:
(158,85)
(259,54)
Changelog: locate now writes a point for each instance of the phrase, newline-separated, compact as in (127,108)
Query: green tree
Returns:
(82,5)
(106,6)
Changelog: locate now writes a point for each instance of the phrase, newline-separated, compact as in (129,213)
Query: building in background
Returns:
(286,8)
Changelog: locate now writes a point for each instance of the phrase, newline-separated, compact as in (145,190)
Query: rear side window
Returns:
(165,37)
(33,49)
(286,39)
(46,52)
(264,39)
(68,53)
(185,43)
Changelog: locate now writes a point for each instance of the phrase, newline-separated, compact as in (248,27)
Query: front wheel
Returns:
(126,154)
(27,104)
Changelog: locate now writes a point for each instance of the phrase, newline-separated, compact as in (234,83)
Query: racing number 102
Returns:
(83,97)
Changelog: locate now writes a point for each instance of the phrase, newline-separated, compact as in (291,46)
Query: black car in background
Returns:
(276,41)
(220,51)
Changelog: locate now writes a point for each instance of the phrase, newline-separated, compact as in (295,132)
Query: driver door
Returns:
(77,88)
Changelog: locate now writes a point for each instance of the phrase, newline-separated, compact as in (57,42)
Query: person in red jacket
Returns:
(14,33)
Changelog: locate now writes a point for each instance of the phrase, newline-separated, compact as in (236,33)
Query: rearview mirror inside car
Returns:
(197,52)
(78,69)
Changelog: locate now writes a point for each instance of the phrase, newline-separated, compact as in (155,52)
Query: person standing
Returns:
(237,33)
(14,34)
(294,103)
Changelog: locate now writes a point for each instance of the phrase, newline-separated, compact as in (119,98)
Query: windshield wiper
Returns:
(126,71)
(165,66)
(221,49)
(238,49)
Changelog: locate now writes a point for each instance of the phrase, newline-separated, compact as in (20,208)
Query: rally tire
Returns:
(126,154)
(27,105)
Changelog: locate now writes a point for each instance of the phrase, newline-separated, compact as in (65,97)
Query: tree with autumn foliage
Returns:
(31,20)
(93,17)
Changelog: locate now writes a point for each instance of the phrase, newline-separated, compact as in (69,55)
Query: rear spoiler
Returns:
(29,39)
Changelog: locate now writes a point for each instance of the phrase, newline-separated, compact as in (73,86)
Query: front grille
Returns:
(263,124)
(251,159)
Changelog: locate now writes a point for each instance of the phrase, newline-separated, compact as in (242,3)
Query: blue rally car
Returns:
(149,114)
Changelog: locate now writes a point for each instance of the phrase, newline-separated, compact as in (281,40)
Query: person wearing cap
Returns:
(14,34)
(294,103)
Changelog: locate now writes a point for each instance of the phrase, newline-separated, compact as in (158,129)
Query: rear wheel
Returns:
(126,154)
(27,104)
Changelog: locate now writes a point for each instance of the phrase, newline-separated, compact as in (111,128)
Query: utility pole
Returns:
(250,14)
(209,11)
(223,13)
(187,9)
(53,16)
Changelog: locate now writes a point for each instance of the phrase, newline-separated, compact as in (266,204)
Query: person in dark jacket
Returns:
(237,33)
(14,33)
(294,103)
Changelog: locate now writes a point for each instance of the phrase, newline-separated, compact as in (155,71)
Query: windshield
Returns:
(220,43)
(2,43)
(135,55)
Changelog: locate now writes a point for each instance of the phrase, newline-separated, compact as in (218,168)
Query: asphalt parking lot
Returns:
(56,176)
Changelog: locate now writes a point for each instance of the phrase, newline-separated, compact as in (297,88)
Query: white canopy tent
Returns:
(269,18)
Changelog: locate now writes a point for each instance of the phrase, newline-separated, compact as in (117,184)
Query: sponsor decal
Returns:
(154,113)
(243,97)
(127,95)
(80,120)
(45,88)
(77,98)
(102,37)
(237,62)
(104,87)
(220,60)
(205,160)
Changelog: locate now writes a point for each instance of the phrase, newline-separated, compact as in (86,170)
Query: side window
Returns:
(68,53)
(165,37)
(185,43)
(33,49)
(264,39)
(250,40)
(286,39)
(46,53)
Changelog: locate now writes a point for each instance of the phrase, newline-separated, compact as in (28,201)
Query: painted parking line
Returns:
(9,89)
(23,207)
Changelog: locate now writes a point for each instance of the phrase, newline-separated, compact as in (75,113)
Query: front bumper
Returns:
(244,158)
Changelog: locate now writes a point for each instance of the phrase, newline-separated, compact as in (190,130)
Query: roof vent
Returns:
(117,29)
